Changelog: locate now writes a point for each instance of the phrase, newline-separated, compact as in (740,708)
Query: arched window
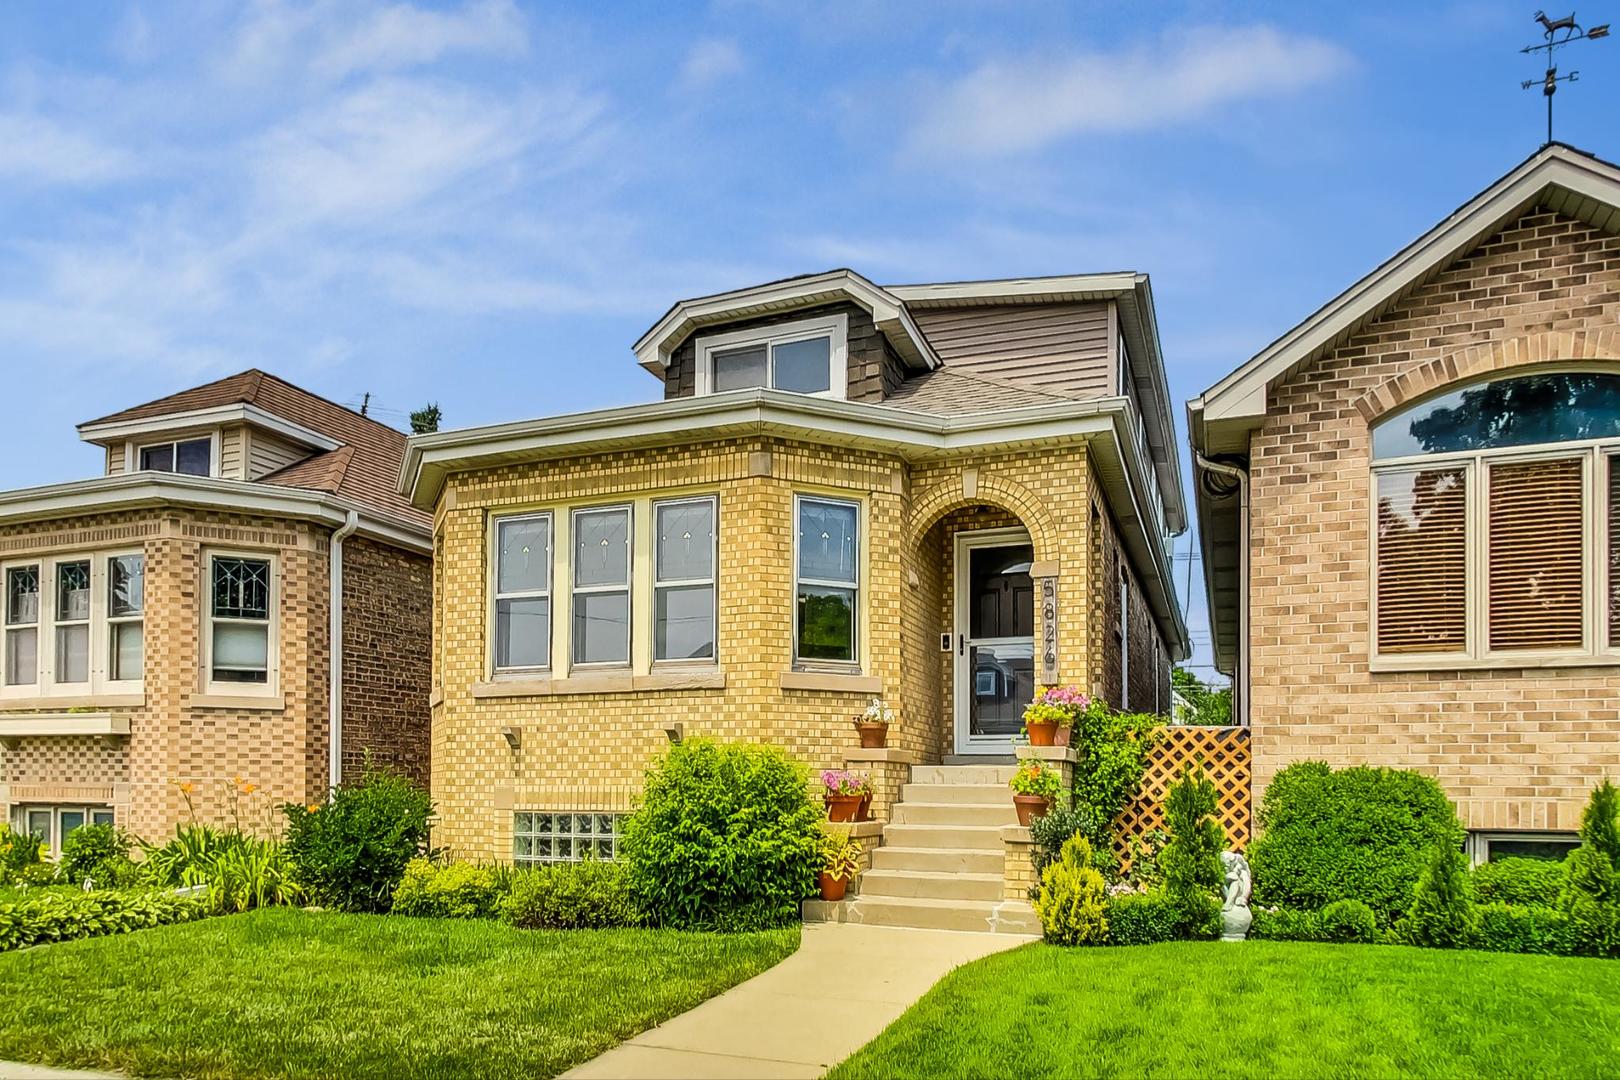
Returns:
(1497,523)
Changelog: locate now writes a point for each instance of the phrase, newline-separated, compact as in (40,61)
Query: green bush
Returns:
(1347,922)
(1530,928)
(1518,881)
(1142,919)
(351,853)
(1053,829)
(1591,894)
(456,891)
(726,837)
(1114,756)
(61,916)
(1442,911)
(1360,833)
(18,851)
(98,854)
(586,895)
(1285,924)
(1191,860)
(1071,904)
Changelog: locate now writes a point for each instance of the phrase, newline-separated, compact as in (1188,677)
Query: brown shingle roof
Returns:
(944,392)
(365,469)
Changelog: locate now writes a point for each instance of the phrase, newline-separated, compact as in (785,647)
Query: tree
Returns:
(1206,704)
(425,421)
(1191,861)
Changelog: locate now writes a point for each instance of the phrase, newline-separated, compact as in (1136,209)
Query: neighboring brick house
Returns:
(171,622)
(1408,507)
(849,491)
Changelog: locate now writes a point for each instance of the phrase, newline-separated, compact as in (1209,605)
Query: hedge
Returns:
(57,916)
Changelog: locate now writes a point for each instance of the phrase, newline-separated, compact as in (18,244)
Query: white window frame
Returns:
(33,687)
(835,327)
(109,620)
(53,841)
(271,687)
(100,681)
(1596,647)
(575,590)
(853,665)
(58,624)
(496,596)
(712,581)
(1480,841)
(1124,635)
(133,448)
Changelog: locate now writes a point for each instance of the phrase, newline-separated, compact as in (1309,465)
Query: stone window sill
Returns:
(598,683)
(833,681)
(58,704)
(238,702)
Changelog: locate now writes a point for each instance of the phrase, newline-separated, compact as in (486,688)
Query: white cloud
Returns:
(1016,104)
(43,151)
(709,61)
(403,36)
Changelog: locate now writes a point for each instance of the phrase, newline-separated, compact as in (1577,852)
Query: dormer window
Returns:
(802,357)
(194,457)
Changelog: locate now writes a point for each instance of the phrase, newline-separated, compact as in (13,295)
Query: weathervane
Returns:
(1558,32)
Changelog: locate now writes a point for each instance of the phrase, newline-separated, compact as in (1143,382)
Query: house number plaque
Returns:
(1049,630)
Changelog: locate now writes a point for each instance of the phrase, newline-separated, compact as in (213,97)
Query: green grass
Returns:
(288,993)
(1206,1009)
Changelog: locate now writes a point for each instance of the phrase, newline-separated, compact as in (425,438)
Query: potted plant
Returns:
(840,864)
(846,791)
(1049,717)
(873,725)
(1036,786)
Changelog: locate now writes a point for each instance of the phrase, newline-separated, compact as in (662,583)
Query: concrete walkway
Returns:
(846,983)
(16,1070)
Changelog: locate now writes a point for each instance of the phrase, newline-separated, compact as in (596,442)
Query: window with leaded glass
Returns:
(22,626)
(72,621)
(523,593)
(683,580)
(239,620)
(601,557)
(543,836)
(126,611)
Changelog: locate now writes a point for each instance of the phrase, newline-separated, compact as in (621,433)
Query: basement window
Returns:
(546,836)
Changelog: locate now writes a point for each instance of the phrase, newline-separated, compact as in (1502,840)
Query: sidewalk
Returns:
(846,983)
(16,1070)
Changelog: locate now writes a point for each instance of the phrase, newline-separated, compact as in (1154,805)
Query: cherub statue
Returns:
(1235,913)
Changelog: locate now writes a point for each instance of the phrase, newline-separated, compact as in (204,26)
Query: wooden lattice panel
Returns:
(1224,752)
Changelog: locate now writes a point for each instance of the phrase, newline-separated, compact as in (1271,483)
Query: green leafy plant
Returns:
(586,895)
(251,874)
(725,837)
(1191,860)
(841,855)
(1442,911)
(1072,903)
(1360,833)
(18,851)
(1111,758)
(351,853)
(1591,893)
(1527,928)
(1518,881)
(1347,922)
(1053,829)
(98,854)
(1285,924)
(1035,777)
(63,916)
(455,891)
(188,857)
(1142,919)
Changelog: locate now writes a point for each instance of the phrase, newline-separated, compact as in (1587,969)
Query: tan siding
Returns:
(115,459)
(268,453)
(231,441)
(1059,347)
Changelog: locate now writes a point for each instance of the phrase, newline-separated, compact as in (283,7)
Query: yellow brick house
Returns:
(939,495)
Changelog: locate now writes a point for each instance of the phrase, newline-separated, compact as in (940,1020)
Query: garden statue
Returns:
(1235,914)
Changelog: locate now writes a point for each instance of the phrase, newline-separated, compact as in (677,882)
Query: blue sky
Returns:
(485,204)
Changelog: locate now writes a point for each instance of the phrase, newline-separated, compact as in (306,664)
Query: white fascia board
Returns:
(948,292)
(240,412)
(1242,393)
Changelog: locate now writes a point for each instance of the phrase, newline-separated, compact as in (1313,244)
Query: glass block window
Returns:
(541,836)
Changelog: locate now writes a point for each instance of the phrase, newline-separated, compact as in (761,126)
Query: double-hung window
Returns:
(194,457)
(805,357)
(523,593)
(826,580)
(126,612)
(22,625)
(73,625)
(1497,523)
(683,579)
(50,825)
(72,621)
(601,598)
(240,626)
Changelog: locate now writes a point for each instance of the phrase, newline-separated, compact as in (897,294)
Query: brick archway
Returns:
(986,489)
(1563,347)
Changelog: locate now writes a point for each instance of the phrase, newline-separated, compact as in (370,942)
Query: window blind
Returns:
(1536,536)
(1422,568)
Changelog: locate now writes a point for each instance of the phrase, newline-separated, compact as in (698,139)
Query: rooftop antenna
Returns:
(1557,33)
(365,402)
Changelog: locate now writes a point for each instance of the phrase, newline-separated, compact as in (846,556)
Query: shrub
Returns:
(1529,928)
(1072,901)
(1053,829)
(250,874)
(18,851)
(726,837)
(188,858)
(586,895)
(63,916)
(98,854)
(1142,919)
(456,891)
(1518,881)
(1191,861)
(1360,833)
(1113,756)
(1591,893)
(1442,912)
(1284,924)
(1347,922)
(351,853)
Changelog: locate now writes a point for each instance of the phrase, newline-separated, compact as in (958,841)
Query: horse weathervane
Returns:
(1556,34)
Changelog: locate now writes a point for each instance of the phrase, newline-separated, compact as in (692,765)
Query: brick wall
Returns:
(387,658)
(1149,666)
(1515,748)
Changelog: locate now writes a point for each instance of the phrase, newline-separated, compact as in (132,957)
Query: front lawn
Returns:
(1207,1009)
(288,993)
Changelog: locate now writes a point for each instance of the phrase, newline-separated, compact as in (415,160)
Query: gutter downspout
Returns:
(1241,681)
(335,650)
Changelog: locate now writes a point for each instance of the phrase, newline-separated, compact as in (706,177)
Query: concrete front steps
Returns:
(940,866)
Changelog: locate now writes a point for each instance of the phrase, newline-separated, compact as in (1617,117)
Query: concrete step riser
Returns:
(938,861)
(962,774)
(1003,917)
(986,838)
(986,887)
(908,813)
(956,793)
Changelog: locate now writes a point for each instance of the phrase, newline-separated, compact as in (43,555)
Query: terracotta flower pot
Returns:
(1030,807)
(843,807)
(1063,734)
(1041,734)
(865,812)
(874,736)
(832,889)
